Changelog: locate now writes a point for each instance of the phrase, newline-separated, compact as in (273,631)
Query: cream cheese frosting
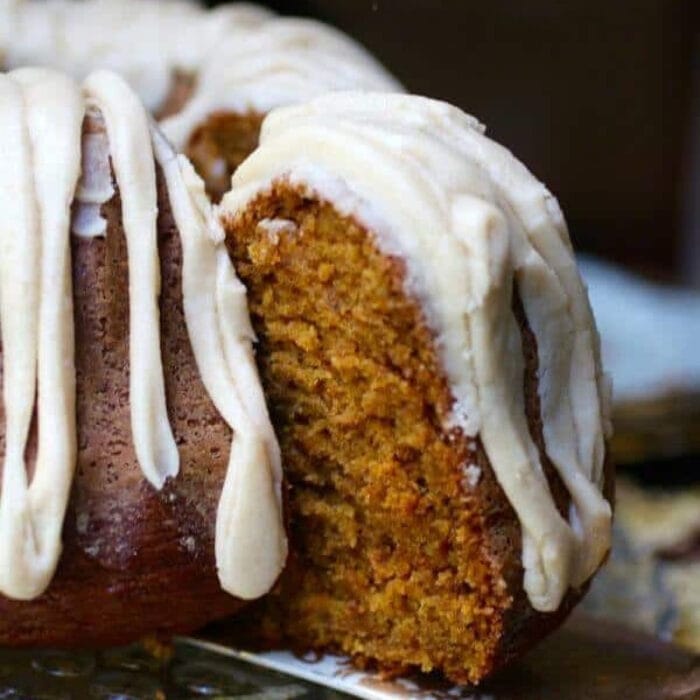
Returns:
(282,61)
(48,164)
(470,221)
(244,58)
(143,40)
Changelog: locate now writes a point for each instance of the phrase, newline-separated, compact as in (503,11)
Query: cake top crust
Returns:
(49,164)
(470,222)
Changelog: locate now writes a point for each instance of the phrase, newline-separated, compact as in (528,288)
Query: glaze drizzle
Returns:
(469,220)
(44,167)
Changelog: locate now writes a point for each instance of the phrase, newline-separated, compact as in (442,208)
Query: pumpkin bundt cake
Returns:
(141,478)
(282,61)
(425,346)
(210,76)
(432,371)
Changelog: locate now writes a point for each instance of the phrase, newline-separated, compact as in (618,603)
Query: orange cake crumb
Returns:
(219,145)
(402,555)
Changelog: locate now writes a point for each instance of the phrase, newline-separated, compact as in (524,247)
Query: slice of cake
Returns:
(432,371)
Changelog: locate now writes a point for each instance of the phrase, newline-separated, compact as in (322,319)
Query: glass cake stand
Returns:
(617,642)
(132,673)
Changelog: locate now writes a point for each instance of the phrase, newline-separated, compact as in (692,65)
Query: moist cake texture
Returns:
(403,543)
(409,543)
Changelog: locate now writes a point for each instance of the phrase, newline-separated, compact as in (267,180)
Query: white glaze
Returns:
(41,115)
(244,58)
(282,61)
(251,546)
(469,219)
(40,121)
(129,137)
(95,186)
(143,40)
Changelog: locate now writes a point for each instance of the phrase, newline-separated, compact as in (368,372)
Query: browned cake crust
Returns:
(135,560)
(219,145)
(395,559)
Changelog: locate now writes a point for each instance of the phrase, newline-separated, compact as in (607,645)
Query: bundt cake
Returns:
(141,478)
(432,370)
(209,75)
(281,61)
(424,342)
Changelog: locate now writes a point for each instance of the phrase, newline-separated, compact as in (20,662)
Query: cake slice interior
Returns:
(404,550)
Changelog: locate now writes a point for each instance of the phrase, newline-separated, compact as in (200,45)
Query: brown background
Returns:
(596,98)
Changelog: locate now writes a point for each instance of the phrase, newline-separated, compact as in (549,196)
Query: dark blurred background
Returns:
(600,99)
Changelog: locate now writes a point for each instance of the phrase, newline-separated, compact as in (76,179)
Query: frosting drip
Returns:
(38,176)
(95,186)
(142,40)
(469,220)
(251,546)
(281,61)
(244,58)
(50,163)
(128,133)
